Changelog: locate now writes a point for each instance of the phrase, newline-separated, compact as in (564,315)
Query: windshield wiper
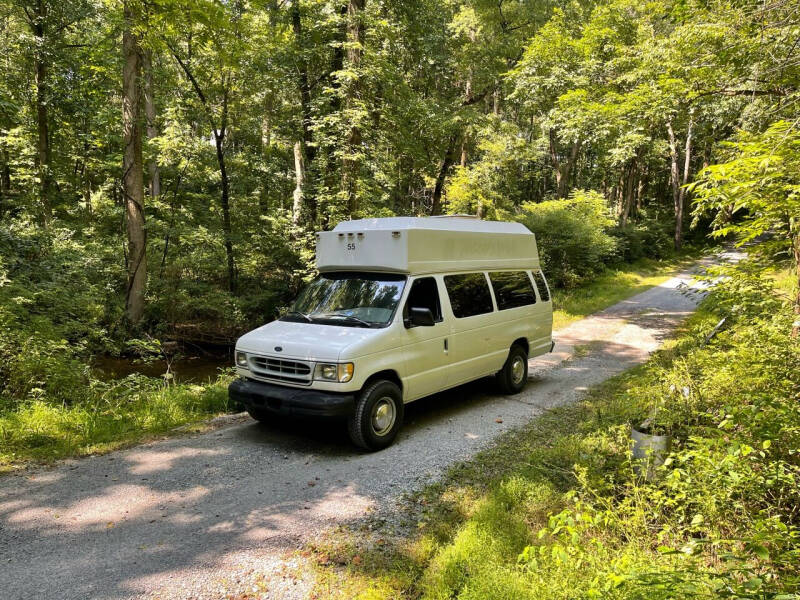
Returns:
(350,318)
(299,314)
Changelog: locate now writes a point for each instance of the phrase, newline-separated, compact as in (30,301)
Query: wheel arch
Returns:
(388,374)
(523,342)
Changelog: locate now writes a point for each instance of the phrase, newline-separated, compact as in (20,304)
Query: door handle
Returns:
(445,345)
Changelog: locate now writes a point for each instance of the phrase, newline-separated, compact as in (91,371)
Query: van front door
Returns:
(425,351)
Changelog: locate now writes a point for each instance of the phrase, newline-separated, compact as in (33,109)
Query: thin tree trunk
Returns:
(562,169)
(794,229)
(441,175)
(43,154)
(351,162)
(133,176)
(152,129)
(640,189)
(627,201)
(309,151)
(5,173)
(678,191)
(266,151)
(675,182)
(299,178)
(682,194)
(219,141)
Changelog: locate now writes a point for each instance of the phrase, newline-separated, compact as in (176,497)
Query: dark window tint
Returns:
(469,294)
(542,285)
(425,294)
(512,289)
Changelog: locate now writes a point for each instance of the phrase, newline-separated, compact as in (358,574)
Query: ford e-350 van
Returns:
(402,308)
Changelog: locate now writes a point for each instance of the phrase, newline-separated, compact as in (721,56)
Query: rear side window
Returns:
(469,294)
(512,289)
(538,276)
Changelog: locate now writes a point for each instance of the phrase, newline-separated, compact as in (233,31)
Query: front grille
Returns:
(281,369)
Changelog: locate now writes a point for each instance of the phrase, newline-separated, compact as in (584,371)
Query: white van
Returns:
(403,308)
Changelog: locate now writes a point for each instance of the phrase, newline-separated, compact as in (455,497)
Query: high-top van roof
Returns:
(414,245)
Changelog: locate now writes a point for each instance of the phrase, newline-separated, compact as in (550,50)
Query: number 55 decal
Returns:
(351,246)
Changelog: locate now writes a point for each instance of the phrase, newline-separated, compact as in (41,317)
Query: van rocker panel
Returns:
(290,401)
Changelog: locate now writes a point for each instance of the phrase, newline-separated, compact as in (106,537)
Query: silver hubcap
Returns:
(383,415)
(517,370)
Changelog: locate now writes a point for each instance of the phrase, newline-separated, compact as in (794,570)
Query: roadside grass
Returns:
(617,283)
(87,416)
(116,414)
(555,511)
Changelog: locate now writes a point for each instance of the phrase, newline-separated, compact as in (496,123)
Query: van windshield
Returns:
(350,299)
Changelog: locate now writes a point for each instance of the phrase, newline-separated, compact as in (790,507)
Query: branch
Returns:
(753,92)
(198,90)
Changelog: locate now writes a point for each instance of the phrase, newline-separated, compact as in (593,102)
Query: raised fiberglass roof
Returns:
(416,245)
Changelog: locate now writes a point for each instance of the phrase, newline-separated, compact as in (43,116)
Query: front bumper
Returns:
(291,401)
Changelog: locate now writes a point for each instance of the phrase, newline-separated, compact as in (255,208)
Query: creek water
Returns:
(188,369)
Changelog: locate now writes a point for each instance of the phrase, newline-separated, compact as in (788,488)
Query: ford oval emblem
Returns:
(278,348)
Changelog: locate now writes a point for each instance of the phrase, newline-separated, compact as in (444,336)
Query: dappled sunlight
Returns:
(151,461)
(187,507)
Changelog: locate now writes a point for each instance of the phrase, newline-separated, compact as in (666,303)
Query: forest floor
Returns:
(224,513)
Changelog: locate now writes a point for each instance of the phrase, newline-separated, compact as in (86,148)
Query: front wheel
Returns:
(378,416)
(512,377)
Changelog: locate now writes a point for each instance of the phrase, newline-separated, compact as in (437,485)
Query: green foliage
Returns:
(572,236)
(556,511)
(754,195)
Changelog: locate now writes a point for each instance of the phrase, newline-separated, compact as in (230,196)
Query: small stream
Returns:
(188,369)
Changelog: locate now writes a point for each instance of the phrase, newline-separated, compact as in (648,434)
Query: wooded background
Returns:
(164,163)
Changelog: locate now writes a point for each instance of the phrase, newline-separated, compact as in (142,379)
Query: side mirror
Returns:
(422,317)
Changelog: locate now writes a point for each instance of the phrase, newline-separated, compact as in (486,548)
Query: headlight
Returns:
(334,372)
(241,359)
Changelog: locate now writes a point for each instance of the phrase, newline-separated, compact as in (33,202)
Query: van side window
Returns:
(542,285)
(512,289)
(469,294)
(425,294)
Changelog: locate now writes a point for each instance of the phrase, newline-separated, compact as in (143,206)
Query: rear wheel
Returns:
(512,377)
(378,415)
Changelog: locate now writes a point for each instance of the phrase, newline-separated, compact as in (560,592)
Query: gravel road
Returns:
(219,514)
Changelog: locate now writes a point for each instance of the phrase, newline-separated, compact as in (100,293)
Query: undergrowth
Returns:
(556,511)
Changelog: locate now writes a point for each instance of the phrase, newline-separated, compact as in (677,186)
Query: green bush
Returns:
(644,238)
(572,235)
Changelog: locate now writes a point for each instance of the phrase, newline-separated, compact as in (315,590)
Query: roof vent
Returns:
(473,217)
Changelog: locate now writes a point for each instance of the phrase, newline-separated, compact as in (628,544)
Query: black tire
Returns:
(373,406)
(259,415)
(509,378)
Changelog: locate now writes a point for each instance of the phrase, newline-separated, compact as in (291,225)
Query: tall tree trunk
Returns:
(299,178)
(309,151)
(266,151)
(675,181)
(5,173)
(627,200)
(678,191)
(351,162)
(441,175)
(43,154)
(794,231)
(687,158)
(640,189)
(152,129)
(219,143)
(562,169)
(132,172)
